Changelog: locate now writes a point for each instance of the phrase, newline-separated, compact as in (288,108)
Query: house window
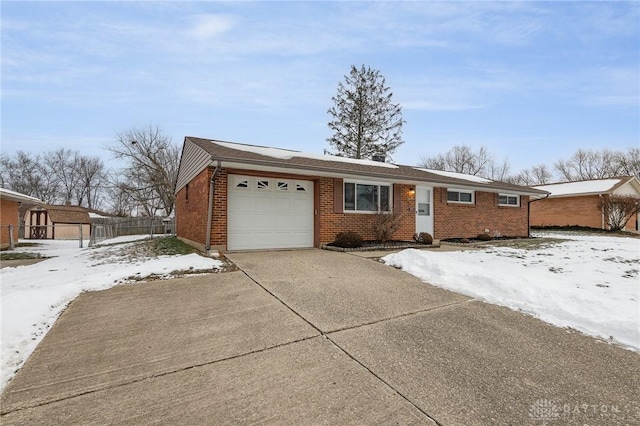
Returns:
(460,196)
(509,200)
(366,197)
(263,184)
(300,187)
(186,192)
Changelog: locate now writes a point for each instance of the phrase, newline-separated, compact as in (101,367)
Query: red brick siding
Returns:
(8,216)
(219,225)
(331,223)
(452,220)
(571,211)
(567,211)
(191,213)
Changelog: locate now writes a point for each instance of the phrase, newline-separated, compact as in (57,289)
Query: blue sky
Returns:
(531,81)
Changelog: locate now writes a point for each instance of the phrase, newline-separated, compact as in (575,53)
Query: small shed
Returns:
(10,202)
(57,222)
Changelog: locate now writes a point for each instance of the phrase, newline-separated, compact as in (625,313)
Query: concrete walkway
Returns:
(314,337)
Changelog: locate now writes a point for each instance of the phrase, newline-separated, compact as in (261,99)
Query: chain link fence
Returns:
(99,230)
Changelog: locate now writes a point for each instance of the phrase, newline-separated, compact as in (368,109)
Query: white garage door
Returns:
(265,213)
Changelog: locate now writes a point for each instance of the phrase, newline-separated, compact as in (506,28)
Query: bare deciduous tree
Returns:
(91,181)
(589,164)
(629,162)
(117,196)
(25,173)
(463,159)
(63,164)
(152,168)
(619,209)
(536,175)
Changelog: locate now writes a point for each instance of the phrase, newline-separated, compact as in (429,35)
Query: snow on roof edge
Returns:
(470,178)
(286,154)
(594,186)
(20,195)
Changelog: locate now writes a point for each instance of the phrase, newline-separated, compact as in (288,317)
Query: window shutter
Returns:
(338,196)
(397,198)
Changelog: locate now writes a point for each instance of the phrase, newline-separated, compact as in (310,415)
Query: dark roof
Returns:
(304,161)
(67,214)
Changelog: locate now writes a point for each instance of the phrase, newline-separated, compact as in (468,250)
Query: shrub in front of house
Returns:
(484,237)
(348,239)
(385,224)
(423,238)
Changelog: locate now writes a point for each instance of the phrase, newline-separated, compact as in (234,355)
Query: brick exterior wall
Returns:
(452,220)
(9,216)
(191,210)
(331,223)
(567,211)
(572,211)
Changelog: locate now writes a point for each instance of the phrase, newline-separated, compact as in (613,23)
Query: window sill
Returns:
(362,212)
(460,203)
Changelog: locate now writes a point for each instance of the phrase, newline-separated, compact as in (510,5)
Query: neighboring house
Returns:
(58,222)
(10,202)
(579,203)
(264,198)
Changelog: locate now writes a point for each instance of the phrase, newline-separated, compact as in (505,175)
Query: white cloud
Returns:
(207,26)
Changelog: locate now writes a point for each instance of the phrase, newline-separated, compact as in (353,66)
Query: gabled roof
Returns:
(588,187)
(199,153)
(7,194)
(67,214)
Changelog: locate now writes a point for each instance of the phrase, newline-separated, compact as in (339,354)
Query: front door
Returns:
(424,209)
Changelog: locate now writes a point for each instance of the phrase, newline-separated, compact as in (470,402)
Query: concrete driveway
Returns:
(314,337)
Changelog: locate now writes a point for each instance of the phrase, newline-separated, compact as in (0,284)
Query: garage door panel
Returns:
(269,213)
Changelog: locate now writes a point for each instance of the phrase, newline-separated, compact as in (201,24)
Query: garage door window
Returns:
(283,186)
(366,197)
(242,184)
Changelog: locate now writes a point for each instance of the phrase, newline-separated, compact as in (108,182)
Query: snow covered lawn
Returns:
(588,282)
(33,296)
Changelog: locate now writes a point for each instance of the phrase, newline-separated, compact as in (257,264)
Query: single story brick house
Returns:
(579,203)
(10,202)
(58,222)
(232,196)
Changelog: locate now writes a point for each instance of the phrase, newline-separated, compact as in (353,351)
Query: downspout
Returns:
(602,225)
(212,184)
(529,211)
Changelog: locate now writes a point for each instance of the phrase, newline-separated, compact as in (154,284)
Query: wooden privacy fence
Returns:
(112,227)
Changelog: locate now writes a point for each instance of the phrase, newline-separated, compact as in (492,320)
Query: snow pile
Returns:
(33,296)
(589,283)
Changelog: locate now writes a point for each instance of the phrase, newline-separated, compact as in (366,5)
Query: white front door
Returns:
(424,209)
